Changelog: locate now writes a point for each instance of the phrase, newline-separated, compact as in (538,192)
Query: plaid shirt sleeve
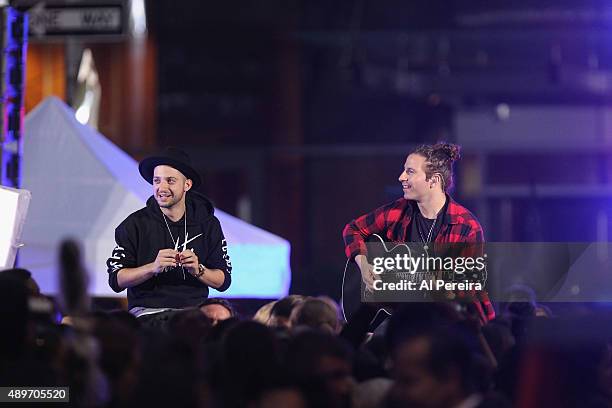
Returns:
(375,222)
(467,229)
(476,235)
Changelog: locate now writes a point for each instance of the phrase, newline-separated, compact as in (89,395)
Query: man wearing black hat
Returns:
(169,253)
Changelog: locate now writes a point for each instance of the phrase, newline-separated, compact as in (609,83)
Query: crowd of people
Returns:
(298,352)
(176,346)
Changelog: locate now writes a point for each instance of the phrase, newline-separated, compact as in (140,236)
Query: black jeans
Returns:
(157,321)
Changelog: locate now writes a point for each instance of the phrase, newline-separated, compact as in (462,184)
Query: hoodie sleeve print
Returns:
(123,256)
(217,257)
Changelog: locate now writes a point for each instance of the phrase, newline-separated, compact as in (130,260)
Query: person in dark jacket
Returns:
(169,253)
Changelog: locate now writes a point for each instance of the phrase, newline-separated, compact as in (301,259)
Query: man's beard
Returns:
(170,203)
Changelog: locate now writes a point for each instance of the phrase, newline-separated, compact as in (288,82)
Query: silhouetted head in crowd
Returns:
(317,314)
(433,367)
(435,358)
(217,309)
(321,359)
(287,397)
(280,315)
(15,317)
(190,326)
(218,331)
(413,316)
(499,337)
(42,310)
(371,393)
(24,276)
(521,302)
(251,362)
(263,313)
(169,374)
(120,354)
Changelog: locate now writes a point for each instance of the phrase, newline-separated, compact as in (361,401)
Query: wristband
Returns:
(200,271)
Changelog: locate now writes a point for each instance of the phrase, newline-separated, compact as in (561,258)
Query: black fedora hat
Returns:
(173,157)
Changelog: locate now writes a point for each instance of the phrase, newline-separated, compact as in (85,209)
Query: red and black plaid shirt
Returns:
(392,221)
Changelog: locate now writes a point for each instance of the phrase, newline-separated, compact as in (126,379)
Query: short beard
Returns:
(168,204)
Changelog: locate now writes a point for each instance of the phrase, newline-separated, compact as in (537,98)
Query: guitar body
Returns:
(350,300)
(354,293)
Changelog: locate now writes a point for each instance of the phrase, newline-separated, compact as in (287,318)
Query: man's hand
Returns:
(165,258)
(190,261)
(367,273)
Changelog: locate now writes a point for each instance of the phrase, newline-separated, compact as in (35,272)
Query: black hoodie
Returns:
(143,233)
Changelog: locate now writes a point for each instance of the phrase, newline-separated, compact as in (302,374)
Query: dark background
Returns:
(299,114)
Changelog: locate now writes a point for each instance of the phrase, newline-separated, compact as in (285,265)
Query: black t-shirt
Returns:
(420,226)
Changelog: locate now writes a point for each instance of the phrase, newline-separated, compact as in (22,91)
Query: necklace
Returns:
(176,242)
(428,234)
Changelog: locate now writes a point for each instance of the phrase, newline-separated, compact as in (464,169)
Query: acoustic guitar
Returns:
(421,280)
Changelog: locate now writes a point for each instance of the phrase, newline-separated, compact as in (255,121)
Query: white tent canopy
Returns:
(83,186)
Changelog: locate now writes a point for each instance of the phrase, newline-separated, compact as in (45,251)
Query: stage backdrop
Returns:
(83,186)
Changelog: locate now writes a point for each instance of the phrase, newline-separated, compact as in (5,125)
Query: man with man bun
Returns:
(426,213)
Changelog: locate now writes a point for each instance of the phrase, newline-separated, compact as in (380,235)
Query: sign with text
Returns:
(56,20)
